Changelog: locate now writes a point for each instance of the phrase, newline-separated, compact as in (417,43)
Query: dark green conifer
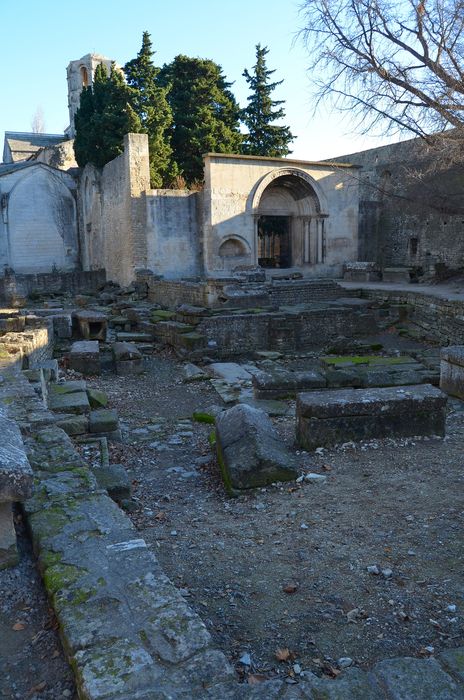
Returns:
(151,105)
(205,112)
(264,138)
(105,115)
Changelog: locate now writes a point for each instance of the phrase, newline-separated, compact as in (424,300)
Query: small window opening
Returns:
(413,246)
(84,77)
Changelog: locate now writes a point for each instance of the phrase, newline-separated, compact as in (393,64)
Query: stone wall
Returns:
(411,212)
(173,233)
(113,212)
(17,287)
(29,348)
(38,221)
(439,320)
(239,334)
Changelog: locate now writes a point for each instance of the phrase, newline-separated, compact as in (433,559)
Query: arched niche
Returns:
(233,247)
(289,210)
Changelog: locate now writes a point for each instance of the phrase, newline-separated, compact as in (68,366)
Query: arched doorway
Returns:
(289,220)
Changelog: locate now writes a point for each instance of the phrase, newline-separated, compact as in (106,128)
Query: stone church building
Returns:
(277,213)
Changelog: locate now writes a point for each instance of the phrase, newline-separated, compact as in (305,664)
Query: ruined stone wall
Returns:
(17,287)
(38,221)
(172,293)
(60,156)
(113,212)
(173,248)
(439,320)
(27,349)
(239,334)
(411,212)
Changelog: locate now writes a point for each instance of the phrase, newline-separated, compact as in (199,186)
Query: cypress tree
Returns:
(151,105)
(105,115)
(206,114)
(264,138)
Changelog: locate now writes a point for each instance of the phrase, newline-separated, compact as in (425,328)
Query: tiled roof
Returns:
(20,145)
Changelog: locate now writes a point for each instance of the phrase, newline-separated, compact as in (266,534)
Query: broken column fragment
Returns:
(250,452)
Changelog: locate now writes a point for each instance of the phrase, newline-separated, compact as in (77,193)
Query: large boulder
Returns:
(250,452)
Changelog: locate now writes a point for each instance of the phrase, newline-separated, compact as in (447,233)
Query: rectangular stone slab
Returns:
(282,383)
(15,470)
(328,418)
(75,402)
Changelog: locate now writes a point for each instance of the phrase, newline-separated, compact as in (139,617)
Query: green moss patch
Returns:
(202,417)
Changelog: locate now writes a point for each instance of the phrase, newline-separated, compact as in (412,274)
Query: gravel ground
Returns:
(32,663)
(280,576)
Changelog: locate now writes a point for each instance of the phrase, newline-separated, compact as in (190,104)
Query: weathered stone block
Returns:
(104,420)
(127,358)
(249,450)
(115,480)
(97,399)
(50,370)
(62,325)
(280,383)
(454,660)
(15,470)
(73,424)
(331,417)
(452,370)
(75,402)
(417,679)
(71,387)
(396,275)
(85,357)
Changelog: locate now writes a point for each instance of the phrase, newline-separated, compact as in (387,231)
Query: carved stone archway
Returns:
(289,210)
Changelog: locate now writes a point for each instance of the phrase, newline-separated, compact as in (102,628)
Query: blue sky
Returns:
(40,38)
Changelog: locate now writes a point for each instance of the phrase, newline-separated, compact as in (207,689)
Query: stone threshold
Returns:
(127,631)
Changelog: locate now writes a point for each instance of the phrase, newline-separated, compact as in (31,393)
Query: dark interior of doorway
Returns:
(274,248)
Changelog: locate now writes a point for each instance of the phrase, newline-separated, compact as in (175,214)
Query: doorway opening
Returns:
(274,246)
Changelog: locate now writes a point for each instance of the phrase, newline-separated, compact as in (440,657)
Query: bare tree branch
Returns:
(390,61)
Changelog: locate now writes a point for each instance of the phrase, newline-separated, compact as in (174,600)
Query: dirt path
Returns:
(32,663)
(287,567)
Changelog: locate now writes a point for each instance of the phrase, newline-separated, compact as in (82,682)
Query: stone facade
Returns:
(38,222)
(318,201)
(180,234)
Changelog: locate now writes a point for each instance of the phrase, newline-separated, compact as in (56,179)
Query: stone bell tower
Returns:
(80,74)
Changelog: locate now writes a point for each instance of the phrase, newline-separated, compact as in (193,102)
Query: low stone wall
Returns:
(29,348)
(211,292)
(238,334)
(172,293)
(439,320)
(17,287)
(285,293)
